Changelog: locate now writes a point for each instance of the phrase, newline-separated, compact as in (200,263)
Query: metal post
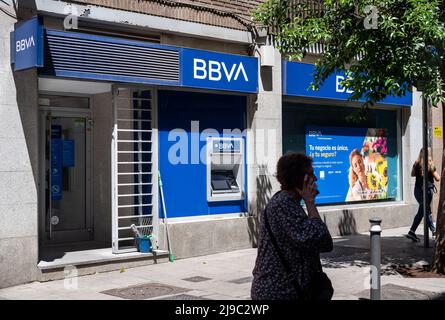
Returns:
(425,171)
(375,232)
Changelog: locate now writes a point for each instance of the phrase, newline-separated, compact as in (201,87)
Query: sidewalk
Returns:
(228,275)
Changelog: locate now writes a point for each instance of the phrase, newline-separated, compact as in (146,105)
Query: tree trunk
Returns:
(438,264)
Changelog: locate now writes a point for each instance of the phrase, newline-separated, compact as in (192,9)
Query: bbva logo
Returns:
(339,87)
(24,44)
(215,70)
(315,133)
(224,146)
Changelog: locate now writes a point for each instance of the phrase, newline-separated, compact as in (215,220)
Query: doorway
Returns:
(66,176)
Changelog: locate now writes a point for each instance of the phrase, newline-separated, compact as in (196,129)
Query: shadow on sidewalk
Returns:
(354,250)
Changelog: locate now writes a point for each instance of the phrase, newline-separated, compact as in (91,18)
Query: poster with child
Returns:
(350,163)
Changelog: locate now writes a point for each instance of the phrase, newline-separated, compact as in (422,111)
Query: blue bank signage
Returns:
(197,68)
(298,76)
(27,45)
(211,70)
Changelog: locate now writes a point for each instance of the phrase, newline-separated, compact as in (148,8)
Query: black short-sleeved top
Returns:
(419,176)
(300,239)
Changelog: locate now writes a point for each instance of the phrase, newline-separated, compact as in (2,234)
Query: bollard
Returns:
(375,232)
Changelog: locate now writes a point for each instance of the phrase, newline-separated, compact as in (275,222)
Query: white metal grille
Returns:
(134,174)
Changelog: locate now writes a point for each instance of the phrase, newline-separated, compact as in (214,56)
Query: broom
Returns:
(171,256)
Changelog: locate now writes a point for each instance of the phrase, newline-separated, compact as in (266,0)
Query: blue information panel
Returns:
(211,70)
(27,50)
(297,78)
(68,153)
(351,164)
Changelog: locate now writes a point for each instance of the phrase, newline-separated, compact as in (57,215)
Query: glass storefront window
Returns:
(354,162)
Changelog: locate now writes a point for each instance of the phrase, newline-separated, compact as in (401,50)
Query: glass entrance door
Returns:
(67,175)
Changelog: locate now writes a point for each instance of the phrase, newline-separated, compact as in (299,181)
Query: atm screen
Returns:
(224,180)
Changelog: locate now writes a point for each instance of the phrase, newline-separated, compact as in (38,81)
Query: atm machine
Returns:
(225,169)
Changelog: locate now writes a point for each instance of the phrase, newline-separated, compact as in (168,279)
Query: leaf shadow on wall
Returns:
(263,195)
(347,224)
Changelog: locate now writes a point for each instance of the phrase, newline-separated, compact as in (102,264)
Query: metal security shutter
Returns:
(134,171)
(105,58)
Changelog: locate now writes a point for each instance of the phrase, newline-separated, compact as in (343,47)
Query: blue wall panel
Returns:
(185,183)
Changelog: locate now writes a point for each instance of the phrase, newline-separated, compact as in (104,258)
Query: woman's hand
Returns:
(308,194)
(309,191)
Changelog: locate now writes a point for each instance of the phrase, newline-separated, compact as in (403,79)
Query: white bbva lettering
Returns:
(339,87)
(241,69)
(228,74)
(24,44)
(199,66)
(214,70)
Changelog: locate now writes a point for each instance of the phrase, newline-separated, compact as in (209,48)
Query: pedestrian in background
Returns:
(417,172)
(290,241)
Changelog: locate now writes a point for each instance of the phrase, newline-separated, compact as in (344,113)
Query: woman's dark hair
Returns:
(291,169)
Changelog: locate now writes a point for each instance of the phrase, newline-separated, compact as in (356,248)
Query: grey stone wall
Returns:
(18,168)
(411,143)
(102,110)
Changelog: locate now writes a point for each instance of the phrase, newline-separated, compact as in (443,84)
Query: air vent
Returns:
(106,58)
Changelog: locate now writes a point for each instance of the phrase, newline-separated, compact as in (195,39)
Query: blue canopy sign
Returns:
(298,76)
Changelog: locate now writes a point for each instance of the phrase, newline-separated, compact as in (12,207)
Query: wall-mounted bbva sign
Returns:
(211,70)
(27,44)
(298,76)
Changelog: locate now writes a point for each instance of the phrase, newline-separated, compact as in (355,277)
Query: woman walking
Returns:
(417,172)
(288,263)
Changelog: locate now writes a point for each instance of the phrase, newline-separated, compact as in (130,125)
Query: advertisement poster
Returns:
(350,163)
